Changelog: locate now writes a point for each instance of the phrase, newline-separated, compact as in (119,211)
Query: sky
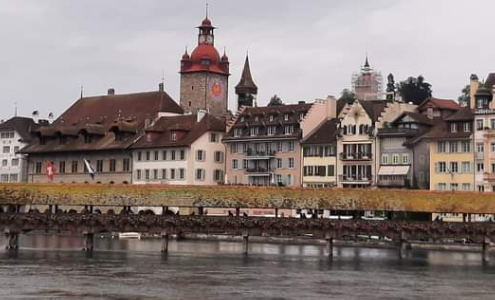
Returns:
(299,50)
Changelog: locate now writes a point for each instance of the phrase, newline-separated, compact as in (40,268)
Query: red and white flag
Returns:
(50,170)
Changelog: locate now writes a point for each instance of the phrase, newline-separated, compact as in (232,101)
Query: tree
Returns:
(347,96)
(465,98)
(390,87)
(275,101)
(414,90)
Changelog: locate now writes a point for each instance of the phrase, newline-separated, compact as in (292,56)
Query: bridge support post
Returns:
(165,238)
(237,212)
(329,245)
(276,212)
(245,242)
(89,242)
(402,246)
(13,241)
(485,250)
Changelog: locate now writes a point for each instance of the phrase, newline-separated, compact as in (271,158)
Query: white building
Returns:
(15,133)
(184,149)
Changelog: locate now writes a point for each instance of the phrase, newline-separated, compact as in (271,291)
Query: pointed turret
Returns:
(366,63)
(246,89)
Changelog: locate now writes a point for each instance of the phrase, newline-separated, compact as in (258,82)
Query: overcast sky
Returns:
(300,50)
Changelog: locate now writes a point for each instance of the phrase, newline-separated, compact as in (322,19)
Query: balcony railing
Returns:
(393,182)
(251,153)
(258,170)
(356,156)
(356,179)
(479,155)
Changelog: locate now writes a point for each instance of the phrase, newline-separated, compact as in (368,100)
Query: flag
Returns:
(90,169)
(50,170)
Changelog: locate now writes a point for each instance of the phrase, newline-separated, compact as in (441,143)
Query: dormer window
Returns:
(271,118)
(272,130)
(286,117)
(173,136)
(254,131)
(289,129)
(243,119)
(205,62)
(453,127)
(301,116)
(237,132)
(467,127)
(88,139)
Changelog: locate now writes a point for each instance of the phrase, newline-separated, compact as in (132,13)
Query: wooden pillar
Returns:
(89,242)
(485,250)
(329,247)
(50,208)
(164,210)
(245,242)
(91,209)
(201,210)
(469,218)
(165,238)
(276,212)
(237,212)
(13,241)
(402,246)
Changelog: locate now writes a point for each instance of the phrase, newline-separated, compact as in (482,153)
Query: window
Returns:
(480,167)
(74,167)
(272,130)
(138,174)
(235,164)
(147,174)
(164,173)
(113,164)
(61,167)
(182,173)
(279,147)
(172,155)
(480,147)
(38,167)
(453,148)
(16,149)
(385,159)
(4,177)
(395,159)
(291,147)
(493,168)
(466,167)
(288,129)
(291,163)
(466,186)
(279,163)
(200,174)
(492,123)
(126,165)
(405,159)
(6,149)
(182,154)
(442,186)
(442,167)
(492,147)
(254,131)
(200,155)
(245,164)
(173,136)
(14,177)
(237,132)
(4,162)
(172,174)
(243,119)
(454,186)
(99,166)
(234,148)
(156,155)
(218,175)
(331,170)
(218,157)
(256,119)
(164,155)
(467,127)
(148,156)
(481,188)
(454,167)
(15,162)
(479,124)
(453,127)
(139,156)
(289,179)
(466,146)
(278,178)
(286,117)
(441,147)
(155,174)
(213,137)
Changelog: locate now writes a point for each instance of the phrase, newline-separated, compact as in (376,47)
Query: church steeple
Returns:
(246,89)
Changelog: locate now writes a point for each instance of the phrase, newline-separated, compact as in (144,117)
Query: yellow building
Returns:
(319,156)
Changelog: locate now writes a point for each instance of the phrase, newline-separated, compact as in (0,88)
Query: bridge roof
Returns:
(247,197)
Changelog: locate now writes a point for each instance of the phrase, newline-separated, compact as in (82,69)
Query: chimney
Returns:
(474,84)
(200,115)
(160,87)
(331,107)
(111,91)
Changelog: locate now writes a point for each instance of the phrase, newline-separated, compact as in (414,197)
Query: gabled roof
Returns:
(187,124)
(420,118)
(463,114)
(373,108)
(440,104)
(25,127)
(325,133)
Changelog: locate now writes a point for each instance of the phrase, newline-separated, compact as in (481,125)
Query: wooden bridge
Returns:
(86,198)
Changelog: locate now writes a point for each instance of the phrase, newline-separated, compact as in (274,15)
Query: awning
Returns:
(393,170)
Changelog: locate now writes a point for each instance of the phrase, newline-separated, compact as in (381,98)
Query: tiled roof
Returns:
(373,108)
(325,133)
(25,127)
(420,118)
(442,131)
(246,83)
(441,104)
(159,134)
(490,81)
(463,114)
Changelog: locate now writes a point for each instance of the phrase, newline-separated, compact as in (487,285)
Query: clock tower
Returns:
(204,75)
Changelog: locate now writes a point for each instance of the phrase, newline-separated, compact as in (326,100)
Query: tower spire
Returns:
(366,63)
(207,10)
(246,89)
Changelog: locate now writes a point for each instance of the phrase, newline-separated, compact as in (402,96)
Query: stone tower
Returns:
(204,76)
(368,84)
(246,89)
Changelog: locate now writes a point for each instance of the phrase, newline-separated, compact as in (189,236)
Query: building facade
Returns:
(15,134)
(182,150)
(204,76)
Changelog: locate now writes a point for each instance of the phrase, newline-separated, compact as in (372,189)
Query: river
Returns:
(54,267)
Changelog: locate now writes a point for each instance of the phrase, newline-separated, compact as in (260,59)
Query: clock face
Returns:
(209,39)
(216,89)
(202,39)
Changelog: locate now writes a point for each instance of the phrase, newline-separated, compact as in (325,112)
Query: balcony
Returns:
(258,170)
(479,155)
(356,156)
(356,179)
(489,177)
(393,183)
(259,155)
